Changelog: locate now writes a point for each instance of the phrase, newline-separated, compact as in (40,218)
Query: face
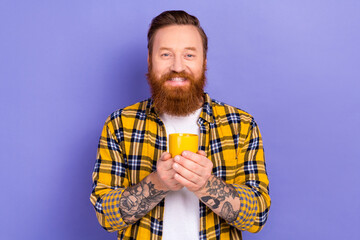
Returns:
(177,70)
(177,48)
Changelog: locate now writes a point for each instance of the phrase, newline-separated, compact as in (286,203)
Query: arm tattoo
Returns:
(211,202)
(220,195)
(136,201)
(216,187)
(228,213)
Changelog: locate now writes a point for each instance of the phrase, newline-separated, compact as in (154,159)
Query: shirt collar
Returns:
(207,111)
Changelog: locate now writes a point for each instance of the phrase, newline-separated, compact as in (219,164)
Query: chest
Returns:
(145,143)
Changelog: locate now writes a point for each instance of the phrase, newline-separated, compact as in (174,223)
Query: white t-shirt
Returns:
(181,212)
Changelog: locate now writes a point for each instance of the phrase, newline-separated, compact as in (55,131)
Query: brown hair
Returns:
(168,18)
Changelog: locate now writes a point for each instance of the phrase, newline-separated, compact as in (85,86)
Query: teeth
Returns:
(177,79)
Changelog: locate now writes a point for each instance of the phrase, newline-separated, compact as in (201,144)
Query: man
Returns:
(143,192)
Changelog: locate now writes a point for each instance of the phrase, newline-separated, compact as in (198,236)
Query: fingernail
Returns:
(175,165)
(177,158)
(184,153)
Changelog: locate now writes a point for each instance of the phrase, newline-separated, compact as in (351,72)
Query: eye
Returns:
(189,55)
(165,54)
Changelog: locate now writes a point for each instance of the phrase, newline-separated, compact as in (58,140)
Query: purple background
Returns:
(66,65)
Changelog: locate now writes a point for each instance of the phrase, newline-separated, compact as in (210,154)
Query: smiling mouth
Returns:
(177,79)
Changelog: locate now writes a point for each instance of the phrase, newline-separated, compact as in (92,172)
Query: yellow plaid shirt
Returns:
(133,139)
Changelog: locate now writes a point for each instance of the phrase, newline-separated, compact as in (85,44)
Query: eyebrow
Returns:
(187,48)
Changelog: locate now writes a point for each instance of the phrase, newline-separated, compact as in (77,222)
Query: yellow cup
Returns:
(179,142)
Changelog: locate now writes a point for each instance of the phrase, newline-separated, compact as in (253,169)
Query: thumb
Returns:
(165,156)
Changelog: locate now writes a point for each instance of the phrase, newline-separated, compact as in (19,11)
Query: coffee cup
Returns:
(179,142)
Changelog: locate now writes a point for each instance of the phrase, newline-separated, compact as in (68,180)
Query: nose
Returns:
(177,64)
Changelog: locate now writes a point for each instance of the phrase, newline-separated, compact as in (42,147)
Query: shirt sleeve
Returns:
(252,182)
(109,177)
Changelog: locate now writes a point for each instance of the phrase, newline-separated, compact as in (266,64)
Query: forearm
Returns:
(136,201)
(221,198)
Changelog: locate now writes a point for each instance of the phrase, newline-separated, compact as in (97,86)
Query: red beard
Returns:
(176,101)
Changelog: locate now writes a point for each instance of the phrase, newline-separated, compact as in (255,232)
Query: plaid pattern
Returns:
(133,139)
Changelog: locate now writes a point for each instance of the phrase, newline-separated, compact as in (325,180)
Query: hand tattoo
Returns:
(136,201)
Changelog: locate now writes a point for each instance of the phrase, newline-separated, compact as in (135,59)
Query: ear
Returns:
(148,59)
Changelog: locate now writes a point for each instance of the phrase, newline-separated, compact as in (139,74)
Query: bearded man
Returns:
(143,192)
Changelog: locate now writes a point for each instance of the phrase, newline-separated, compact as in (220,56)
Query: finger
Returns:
(185,182)
(172,181)
(177,184)
(172,174)
(201,152)
(202,160)
(177,187)
(187,174)
(167,177)
(190,165)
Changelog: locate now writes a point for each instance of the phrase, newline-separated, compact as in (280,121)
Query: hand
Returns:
(165,173)
(192,170)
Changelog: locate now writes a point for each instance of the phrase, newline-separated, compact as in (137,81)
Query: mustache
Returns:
(173,74)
